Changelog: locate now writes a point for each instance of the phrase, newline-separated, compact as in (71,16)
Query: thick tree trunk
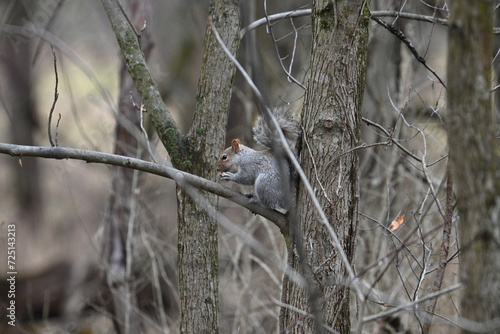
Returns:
(331,120)
(474,156)
(198,246)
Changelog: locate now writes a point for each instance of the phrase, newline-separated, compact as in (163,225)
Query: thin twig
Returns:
(401,36)
(56,96)
(141,113)
(313,160)
(142,110)
(387,258)
(274,17)
(409,306)
(401,147)
(365,145)
(57,129)
(424,155)
(280,59)
(388,134)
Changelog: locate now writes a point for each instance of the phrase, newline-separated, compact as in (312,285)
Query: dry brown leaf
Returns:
(396,223)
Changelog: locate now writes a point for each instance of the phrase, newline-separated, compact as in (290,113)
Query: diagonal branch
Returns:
(410,306)
(127,39)
(60,153)
(399,34)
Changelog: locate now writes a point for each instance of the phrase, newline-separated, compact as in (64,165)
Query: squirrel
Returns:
(261,169)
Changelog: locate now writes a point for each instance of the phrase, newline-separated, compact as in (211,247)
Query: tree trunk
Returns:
(119,241)
(18,94)
(474,156)
(331,120)
(198,245)
(195,153)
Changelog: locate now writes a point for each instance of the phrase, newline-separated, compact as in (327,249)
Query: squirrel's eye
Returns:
(224,157)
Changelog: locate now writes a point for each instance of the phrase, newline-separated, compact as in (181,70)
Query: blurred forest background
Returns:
(60,206)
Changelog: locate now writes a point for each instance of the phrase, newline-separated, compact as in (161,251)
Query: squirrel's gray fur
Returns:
(244,165)
(288,123)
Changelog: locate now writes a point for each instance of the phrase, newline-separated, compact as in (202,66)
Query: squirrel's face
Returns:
(225,162)
(222,165)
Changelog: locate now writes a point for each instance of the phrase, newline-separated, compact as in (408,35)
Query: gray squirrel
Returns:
(261,169)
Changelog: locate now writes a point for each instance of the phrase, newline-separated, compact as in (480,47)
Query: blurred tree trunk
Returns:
(198,245)
(18,97)
(383,83)
(117,245)
(474,156)
(331,120)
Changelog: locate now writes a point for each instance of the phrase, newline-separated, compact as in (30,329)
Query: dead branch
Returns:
(56,96)
(399,34)
(191,180)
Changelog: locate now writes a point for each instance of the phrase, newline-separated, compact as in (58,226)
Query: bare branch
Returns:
(56,96)
(146,137)
(288,72)
(409,16)
(148,167)
(410,306)
(57,128)
(377,13)
(399,34)
(274,17)
(30,29)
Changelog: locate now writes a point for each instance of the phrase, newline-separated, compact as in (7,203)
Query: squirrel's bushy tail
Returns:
(289,124)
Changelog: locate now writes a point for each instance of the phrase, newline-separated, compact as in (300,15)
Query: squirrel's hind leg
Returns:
(268,191)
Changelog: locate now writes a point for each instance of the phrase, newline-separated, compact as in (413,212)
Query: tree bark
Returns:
(198,245)
(474,156)
(119,241)
(194,153)
(331,121)
(18,94)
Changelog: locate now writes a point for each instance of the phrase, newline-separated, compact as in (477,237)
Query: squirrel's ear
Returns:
(235,145)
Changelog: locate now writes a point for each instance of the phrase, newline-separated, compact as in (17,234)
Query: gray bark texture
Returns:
(198,245)
(474,157)
(194,153)
(331,121)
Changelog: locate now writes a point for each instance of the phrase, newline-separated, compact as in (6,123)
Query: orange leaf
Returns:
(396,223)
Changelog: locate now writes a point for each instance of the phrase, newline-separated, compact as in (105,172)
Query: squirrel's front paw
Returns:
(228,176)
